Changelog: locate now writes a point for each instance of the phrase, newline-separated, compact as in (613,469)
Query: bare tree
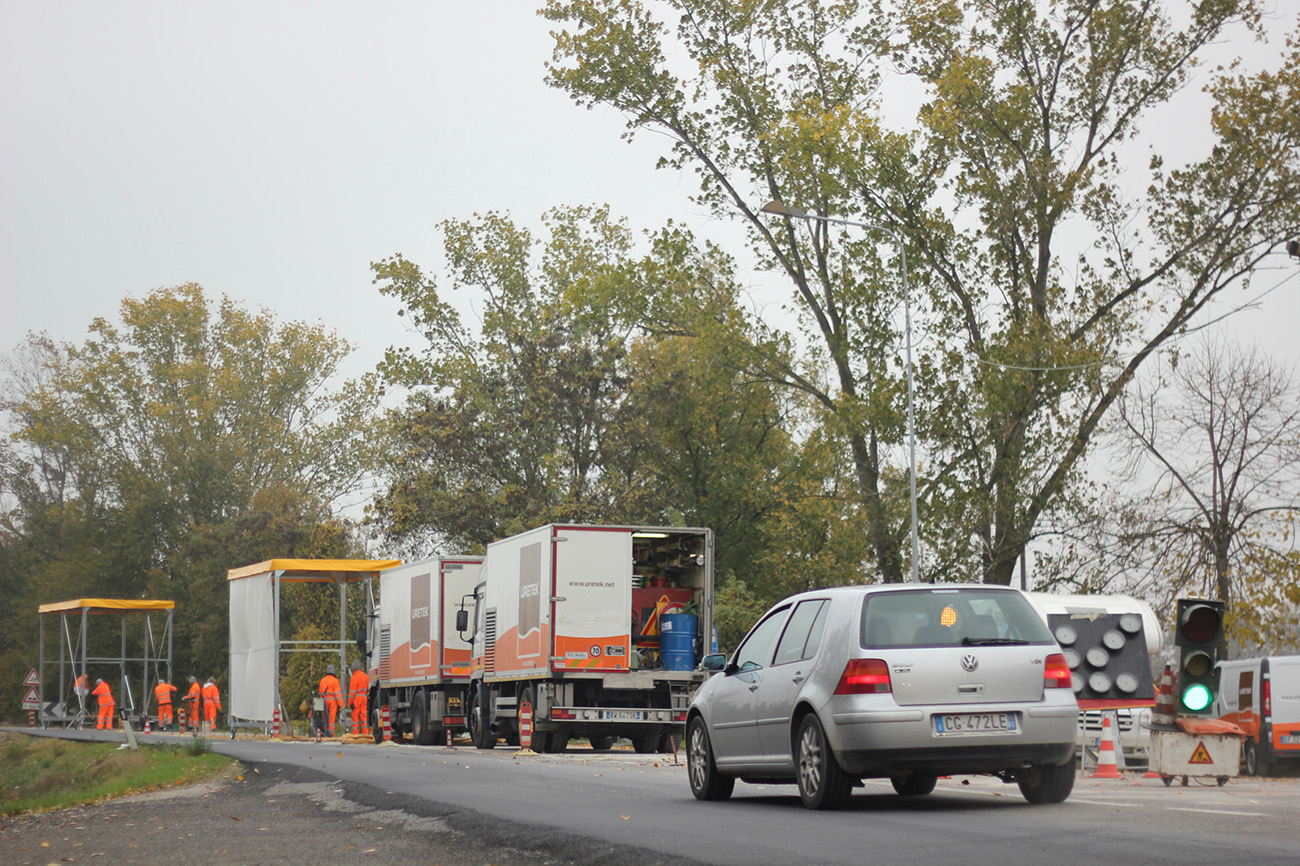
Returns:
(1220,430)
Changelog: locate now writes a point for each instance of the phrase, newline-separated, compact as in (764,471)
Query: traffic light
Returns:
(1198,634)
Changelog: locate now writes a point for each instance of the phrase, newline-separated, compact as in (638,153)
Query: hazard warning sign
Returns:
(1200,755)
(33,679)
(31,701)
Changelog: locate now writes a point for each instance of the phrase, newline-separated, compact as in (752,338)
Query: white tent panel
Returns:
(253,629)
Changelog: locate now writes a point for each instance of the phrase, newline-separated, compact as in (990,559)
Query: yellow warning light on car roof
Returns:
(948,617)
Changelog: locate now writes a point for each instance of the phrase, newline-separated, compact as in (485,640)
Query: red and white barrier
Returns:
(386,722)
(275,723)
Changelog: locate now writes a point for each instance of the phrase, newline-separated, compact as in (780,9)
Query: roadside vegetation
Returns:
(38,773)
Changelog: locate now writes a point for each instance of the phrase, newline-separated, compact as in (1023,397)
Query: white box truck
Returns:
(1262,697)
(418,662)
(590,631)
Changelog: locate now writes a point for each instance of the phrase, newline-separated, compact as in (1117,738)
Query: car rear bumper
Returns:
(948,759)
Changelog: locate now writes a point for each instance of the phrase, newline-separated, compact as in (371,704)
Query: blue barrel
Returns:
(677,641)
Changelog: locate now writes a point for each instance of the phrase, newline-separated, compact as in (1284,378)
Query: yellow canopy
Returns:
(105,604)
(322,570)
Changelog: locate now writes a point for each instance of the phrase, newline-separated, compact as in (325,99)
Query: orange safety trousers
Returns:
(104,721)
(333,707)
(360,716)
(164,714)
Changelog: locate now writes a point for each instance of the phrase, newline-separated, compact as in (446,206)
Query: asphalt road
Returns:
(326,803)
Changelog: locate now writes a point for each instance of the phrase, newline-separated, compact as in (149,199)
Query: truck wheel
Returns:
(706,782)
(557,743)
(646,744)
(476,720)
(377,725)
(1256,759)
(421,728)
(601,743)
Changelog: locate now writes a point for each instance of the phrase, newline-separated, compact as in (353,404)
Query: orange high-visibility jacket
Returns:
(163,692)
(104,693)
(211,695)
(331,689)
(358,686)
(193,696)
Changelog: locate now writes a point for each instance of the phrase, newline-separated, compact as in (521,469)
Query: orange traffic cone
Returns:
(1106,766)
(146,724)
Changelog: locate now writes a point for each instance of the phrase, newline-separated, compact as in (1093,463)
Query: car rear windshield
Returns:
(950,617)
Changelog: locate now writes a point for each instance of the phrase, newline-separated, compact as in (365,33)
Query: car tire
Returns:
(1044,783)
(701,770)
(823,784)
(914,784)
(1256,759)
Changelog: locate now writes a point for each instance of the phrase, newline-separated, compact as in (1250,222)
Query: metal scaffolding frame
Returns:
(247,686)
(67,704)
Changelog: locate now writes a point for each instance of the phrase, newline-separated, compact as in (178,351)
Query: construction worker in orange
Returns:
(104,721)
(193,698)
(358,698)
(332,691)
(211,705)
(163,692)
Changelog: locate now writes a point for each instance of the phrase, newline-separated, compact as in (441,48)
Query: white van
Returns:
(1262,696)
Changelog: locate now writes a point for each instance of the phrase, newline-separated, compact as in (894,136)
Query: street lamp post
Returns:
(781,209)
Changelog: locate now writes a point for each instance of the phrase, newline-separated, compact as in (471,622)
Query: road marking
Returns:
(1098,802)
(1217,812)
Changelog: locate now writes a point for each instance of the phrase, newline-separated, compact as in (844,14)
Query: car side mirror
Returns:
(713,662)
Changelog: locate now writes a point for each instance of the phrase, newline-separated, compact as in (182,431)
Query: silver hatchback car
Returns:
(901,681)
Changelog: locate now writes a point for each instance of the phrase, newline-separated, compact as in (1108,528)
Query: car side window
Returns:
(756,651)
(802,633)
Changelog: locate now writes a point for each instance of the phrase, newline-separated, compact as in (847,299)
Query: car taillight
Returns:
(864,677)
(1266,700)
(1056,672)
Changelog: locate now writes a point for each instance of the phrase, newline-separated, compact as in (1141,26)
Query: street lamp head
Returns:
(780,208)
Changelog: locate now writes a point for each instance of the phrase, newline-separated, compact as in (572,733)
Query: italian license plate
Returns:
(623,715)
(1291,739)
(958,724)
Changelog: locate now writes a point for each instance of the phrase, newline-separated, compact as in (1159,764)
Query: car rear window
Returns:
(949,617)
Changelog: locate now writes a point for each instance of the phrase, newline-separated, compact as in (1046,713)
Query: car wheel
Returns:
(421,730)
(914,784)
(822,783)
(706,782)
(1044,783)
(477,722)
(1256,760)
(602,743)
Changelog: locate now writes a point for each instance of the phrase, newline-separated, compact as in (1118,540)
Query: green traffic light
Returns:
(1197,697)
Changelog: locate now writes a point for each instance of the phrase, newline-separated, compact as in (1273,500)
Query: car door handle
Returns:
(753,687)
(798,678)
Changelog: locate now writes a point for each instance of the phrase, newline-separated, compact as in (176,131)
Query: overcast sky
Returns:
(271,151)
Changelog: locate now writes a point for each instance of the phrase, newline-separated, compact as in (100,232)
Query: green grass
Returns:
(40,773)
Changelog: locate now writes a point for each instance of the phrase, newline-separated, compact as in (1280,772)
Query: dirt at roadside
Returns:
(287,815)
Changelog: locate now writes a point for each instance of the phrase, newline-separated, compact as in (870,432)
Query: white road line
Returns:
(1217,812)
